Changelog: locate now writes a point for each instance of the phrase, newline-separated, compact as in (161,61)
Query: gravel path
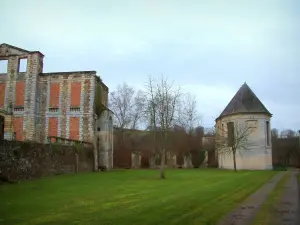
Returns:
(246,212)
(287,211)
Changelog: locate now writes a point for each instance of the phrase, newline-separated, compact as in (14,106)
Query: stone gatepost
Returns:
(136,160)
(171,160)
(152,161)
(105,135)
(204,163)
(187,161)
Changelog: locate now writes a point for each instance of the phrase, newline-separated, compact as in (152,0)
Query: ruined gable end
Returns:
(9,50)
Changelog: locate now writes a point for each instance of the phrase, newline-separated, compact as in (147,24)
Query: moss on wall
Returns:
(99,107)
(27,160)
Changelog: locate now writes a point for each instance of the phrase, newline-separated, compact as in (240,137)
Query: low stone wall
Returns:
(29,160)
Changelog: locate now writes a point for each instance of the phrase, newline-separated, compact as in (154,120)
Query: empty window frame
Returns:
(3,66)
(22,65)
(268,132)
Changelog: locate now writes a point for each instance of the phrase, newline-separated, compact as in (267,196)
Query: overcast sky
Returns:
(209,47)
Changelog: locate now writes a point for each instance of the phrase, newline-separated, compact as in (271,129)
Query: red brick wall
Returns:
(20,93)
(2,94)
(75,94)
(54,95)
(53,126)
(74,128)
(18,128)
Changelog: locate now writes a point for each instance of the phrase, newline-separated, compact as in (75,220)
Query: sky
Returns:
(208,47)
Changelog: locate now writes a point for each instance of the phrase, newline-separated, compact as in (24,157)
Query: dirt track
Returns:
(287,211)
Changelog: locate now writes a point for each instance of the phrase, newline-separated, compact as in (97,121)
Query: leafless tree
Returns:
(274,133)
(138,109)
(121,103)
(151,110)
(233,138)
(298,147)
(188,119)
(288,133)
(162,99)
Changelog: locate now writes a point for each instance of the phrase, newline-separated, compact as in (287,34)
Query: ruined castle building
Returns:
(247,114)
(63,104)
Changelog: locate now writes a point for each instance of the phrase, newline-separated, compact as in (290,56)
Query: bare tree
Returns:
(298,147)
(162,101)
(287,133)
(151,109)
(188,119)
(274,133)
(233,138)
(138,109)
(121,103)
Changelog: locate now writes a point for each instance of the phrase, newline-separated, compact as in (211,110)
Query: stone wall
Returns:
(105,139)
(61,104)
(64,100)
(20,89)
(29,160)
(74,108)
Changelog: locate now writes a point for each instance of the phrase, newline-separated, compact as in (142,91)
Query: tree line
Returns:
(159,108)
(170,122)
(286,147)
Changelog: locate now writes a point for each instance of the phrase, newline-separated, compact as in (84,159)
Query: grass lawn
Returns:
(128,197)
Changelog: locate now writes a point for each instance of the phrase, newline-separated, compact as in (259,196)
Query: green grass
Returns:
(129,197)
(267,210)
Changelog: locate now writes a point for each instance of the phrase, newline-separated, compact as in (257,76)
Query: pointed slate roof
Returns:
(244,101)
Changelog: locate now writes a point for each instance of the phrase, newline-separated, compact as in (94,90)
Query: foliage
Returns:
(55,147)
(286,151)
(201,155)
(279,167)
(127,196)
(78,147)
(98,99)
(26,143)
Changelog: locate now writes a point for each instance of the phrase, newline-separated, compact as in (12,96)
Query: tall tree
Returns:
(138,109)
(121,103)
(151,111)
(288,133)
(274,133)
(163,100)
(188,119)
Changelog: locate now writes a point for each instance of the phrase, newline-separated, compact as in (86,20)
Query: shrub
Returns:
(280,167)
